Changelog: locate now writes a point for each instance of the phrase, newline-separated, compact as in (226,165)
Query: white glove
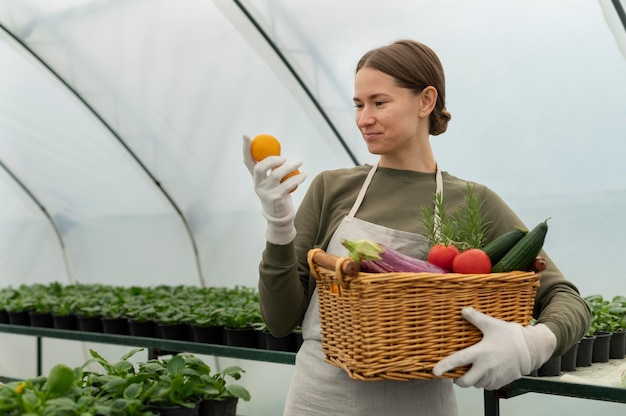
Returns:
(276,201)
(507,351)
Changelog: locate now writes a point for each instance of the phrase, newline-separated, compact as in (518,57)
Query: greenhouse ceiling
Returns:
(121,120)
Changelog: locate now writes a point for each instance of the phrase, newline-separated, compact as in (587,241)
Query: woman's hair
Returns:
(414,66)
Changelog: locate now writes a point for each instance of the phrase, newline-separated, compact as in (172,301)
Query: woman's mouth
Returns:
(370,135)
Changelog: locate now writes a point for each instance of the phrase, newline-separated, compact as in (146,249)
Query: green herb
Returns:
(470,221)
(465,229)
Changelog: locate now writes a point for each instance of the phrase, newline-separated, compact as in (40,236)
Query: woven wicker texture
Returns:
(399,325)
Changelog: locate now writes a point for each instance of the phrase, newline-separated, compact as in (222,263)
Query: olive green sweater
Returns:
(394,199)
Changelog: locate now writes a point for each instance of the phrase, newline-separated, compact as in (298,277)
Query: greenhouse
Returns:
(122,176)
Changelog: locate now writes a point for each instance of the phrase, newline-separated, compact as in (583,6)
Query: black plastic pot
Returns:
(286,343)
(617,347)
(176,410)
(64,321)
(89,323)
(299,340)
(41,319)
(207,334)
(115,326)
(552,367)
(585,351)
(177,331)
(142,328)
(568,359)
(241,337)
(601,347)
(19,318)
(227,407)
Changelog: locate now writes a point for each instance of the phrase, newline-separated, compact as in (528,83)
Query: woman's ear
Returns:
(428,99)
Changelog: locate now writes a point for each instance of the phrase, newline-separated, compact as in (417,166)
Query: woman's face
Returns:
(387,115)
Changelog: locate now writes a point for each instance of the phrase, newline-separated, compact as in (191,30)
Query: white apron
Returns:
(319,388)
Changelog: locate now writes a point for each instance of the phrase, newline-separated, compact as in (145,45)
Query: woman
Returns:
(399,95)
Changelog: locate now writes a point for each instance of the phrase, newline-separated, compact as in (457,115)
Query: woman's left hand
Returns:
(507,351)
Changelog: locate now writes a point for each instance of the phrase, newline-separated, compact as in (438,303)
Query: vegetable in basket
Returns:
(524,252)
(377,258)
(453,235)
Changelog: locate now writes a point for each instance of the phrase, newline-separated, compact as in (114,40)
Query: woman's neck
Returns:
(419,160)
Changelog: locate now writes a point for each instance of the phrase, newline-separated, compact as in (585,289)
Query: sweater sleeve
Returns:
(558,303)
(285,285)
(560,307)
(282,297)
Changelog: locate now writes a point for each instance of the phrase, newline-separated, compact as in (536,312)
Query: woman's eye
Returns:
(358,106)
(379,103)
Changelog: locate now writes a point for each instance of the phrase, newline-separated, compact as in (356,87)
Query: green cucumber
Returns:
(523,254)
(502,244)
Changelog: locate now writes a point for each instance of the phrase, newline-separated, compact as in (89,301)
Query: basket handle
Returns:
(341,265)
(539,265)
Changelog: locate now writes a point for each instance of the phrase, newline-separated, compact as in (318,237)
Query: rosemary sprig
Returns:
(440,228)
(465,229)
(471,223)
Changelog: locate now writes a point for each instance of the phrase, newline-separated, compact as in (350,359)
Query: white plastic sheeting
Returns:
(121,124)
(129,137)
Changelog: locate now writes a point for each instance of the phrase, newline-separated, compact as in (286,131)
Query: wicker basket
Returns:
(399,325)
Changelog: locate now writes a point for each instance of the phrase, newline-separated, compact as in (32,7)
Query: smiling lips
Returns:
(370,135)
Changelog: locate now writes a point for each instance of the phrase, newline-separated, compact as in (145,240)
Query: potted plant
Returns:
(172,321)
(617,310)
(179,385)
(239,327)
(88,316)
(178,381)
(207,324)
(114,318)
(17,304)
(41,394)
(5,294)
(121,388)
(64,313)
(604,323)
(64,392)
(220,398)
(40,305)
(142,320)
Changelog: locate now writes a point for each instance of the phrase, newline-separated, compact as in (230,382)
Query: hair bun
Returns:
(439,121)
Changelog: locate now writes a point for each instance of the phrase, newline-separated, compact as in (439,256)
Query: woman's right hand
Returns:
(274,195)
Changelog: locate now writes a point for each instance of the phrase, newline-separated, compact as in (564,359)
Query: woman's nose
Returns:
(364,118)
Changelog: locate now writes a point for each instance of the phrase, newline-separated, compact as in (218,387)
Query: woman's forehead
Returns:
(370,82)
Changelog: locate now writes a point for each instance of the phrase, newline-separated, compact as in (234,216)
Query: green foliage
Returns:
(213,306)
(465,229)
(607,315)
(122,388)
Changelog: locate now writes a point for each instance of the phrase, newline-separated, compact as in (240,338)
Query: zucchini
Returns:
(523,254)
(501,245)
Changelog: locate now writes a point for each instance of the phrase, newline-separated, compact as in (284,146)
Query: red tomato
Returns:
(442,256)
(472,261)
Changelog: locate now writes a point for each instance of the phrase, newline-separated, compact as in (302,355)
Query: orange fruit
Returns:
(264,145)
(289,175)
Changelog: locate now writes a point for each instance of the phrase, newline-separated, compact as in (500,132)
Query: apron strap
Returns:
(361,195)
(368,180)
(439,193)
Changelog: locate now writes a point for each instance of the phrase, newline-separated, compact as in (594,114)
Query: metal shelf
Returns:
(255,354)
(579,384)
(544,385)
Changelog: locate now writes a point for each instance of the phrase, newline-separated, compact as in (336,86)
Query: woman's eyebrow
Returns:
(371,97)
